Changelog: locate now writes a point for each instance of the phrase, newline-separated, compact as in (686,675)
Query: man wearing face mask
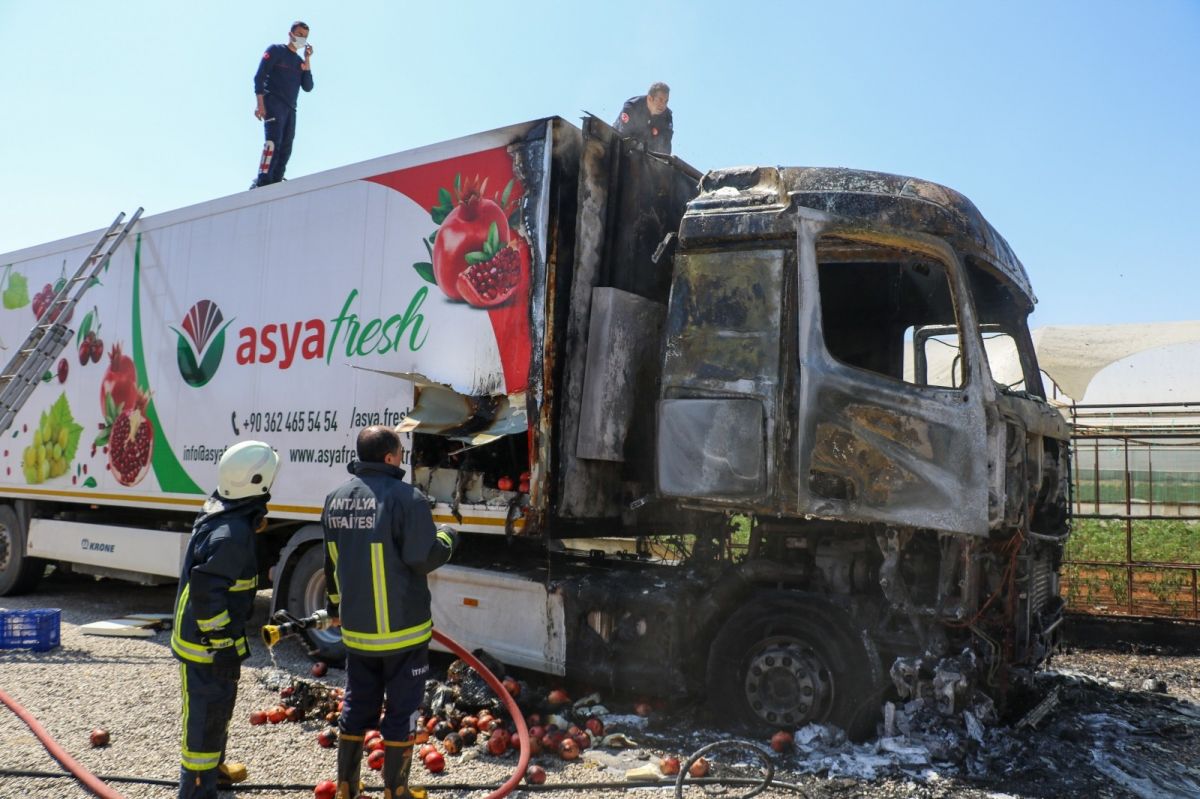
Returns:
(281,75)
(647,119)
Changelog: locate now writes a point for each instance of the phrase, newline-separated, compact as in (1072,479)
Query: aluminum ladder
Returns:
(49,337)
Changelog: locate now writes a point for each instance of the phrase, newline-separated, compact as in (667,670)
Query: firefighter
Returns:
(216,596)
(281,74)
(380,543)
(647,119)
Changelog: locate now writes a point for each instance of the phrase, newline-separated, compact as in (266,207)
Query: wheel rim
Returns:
(787,682)
(314,600)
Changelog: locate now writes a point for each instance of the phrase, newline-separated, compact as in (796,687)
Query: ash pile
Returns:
(1076,734)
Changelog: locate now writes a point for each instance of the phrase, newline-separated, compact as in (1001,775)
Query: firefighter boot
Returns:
(397,763)
(349,766)
(229,773)
(197,784)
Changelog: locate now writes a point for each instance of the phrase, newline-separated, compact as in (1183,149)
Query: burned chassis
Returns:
(890,518)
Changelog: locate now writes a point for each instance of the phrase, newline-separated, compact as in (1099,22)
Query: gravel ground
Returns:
(1107,737)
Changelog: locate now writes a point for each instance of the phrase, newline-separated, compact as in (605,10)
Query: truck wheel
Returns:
(19,573)
(782,663)
(306,595)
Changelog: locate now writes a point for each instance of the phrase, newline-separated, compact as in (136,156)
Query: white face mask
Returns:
(298,42)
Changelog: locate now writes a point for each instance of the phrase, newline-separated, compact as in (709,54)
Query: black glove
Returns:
(448,535)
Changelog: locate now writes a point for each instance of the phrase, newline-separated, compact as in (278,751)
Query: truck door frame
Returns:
(910,456)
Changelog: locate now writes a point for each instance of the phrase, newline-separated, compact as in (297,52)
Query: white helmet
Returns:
(247,469)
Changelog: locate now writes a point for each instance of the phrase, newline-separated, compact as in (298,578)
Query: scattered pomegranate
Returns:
(535,775)
(258,717)
(558,697)
(781,741)
(535,746)
(99,737)
(286,691)
(326,739)
(497,743)
(424,750)
(325,790)
(332,717)
(699,769)
(375,760)
(443,729)
(669,765)
(421,735)
(568,749)
(435,762)
(595,727)
(469,735)
(275,715)
(294,714)
(523,486)
(512,686)
(319,668)
(452,743)
(643,709)
(377,745)
(505,483)
(581,740)
(431,725)
(371,735)
(469,721)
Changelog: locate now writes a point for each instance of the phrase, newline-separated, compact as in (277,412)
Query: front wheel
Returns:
(306,595)
(19,573)
(782,662)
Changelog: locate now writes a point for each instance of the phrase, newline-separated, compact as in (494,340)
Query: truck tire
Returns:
(306,595)
(782,663)
(19,573)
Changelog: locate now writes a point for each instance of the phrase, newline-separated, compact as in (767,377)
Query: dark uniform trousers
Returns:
(209,693)
(399,677)
(280,127)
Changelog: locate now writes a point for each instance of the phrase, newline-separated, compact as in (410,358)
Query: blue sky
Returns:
(1072,125)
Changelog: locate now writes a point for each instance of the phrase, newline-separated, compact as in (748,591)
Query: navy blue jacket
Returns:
(279,75)
(654,132)
(219,580)
(380,543)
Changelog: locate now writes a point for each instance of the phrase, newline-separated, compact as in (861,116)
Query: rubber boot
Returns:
(229,773)
(197,784)
(349,766)
(397,763)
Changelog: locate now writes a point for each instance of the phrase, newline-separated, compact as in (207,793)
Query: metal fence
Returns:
(1135,545)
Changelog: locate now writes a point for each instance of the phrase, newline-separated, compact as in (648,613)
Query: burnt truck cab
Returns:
(825,373)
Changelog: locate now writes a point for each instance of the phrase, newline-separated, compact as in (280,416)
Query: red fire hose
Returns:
(89,780)
(96,786)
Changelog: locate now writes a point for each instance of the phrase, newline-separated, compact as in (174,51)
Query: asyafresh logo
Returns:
(201,342)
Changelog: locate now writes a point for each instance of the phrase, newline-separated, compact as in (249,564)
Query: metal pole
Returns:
(1128,528)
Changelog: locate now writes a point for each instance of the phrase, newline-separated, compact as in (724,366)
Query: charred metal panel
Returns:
(875,449)
(625,329)
(627,202)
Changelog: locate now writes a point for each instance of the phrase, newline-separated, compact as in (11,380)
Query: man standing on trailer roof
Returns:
(281,74)
(647,119)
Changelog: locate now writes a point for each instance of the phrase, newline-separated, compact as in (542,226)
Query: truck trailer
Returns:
(730,434)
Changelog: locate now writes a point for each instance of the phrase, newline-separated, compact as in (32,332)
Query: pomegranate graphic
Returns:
(130,443)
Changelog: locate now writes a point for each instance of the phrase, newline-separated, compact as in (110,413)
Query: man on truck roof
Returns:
(380,543)
(281,74)
(216,597)
(647,119)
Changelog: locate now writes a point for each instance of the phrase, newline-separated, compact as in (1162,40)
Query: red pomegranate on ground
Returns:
(130,443)
(465,230)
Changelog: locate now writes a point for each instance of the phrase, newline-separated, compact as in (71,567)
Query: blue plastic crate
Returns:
(30,629)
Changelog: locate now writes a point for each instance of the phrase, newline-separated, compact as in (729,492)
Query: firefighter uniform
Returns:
(380,543)
(215,598)
(279,80)
(653,131)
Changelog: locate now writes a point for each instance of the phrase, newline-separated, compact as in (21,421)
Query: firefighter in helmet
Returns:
(216,596)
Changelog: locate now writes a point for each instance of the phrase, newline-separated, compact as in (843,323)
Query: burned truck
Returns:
(729,435)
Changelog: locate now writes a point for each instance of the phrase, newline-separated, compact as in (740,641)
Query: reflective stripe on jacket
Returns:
(380,542)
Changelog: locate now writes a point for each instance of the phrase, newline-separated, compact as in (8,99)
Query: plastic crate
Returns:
(30,629)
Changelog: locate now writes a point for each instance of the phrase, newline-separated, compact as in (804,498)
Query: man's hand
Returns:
(308,51)
(260,111)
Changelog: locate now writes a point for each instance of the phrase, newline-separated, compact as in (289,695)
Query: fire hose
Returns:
(289,625)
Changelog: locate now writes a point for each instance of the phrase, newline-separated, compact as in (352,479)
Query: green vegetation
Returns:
(1154,541)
